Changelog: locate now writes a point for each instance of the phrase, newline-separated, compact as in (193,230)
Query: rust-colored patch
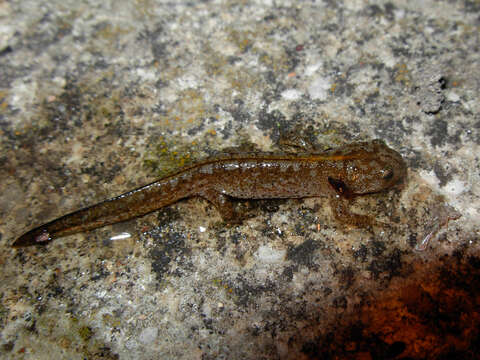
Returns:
(435,314)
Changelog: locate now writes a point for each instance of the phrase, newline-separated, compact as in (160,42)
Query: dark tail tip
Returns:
(38,236)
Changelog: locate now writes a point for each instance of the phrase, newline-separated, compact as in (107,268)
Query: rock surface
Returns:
(97,98)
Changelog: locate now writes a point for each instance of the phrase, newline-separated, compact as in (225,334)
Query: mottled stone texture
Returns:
(99,97)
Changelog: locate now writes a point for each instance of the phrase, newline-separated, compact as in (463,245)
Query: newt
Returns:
(355,169)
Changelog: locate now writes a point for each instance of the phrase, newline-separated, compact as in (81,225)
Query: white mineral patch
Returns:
(121,236)
(268,255)
(147,74)
(319,88)
(23,95)
(430,178)
(76,153)
(451,96)
(187,81)
(312,69)
(455,187)
(148,335)
(291,94)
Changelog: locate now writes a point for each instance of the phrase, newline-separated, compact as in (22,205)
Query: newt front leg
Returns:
(341,211)
(340,204)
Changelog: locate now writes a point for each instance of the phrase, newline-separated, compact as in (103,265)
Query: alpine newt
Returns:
(351,170)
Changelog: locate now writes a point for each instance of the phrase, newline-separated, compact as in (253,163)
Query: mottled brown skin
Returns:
(355,169)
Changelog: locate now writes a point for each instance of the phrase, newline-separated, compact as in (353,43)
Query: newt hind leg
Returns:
(296,140)
(224,205)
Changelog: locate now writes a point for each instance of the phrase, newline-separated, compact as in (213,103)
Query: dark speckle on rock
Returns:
(273,122)
(197,129)
(342,87)
(438,132)
(388,265)
(347,277)
(377,247)
(227,130)
(288,273)
(391,130)
(373,10)
(6,50)
(240,115)
(361,253)
(169,245)
(442,174)
(303,254)
(340,302)
(413,239)
(7,347)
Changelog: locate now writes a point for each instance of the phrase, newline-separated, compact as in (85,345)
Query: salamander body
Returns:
(351,170)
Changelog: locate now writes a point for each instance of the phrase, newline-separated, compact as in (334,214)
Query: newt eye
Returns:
(388,174)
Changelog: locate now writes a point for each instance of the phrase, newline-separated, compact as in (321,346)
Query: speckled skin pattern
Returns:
(355,169)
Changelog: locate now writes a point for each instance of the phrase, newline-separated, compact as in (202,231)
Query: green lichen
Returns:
(215,63)
(189,107)
(402,74)
(3,101)
(111,320)
(85,333)
(3,314)
(242,39)
(164,157)
(223,285)
(241,79)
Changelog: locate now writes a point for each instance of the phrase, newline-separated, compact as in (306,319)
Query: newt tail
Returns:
(129,205)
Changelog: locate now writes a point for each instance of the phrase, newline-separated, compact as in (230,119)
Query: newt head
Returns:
(369,167)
